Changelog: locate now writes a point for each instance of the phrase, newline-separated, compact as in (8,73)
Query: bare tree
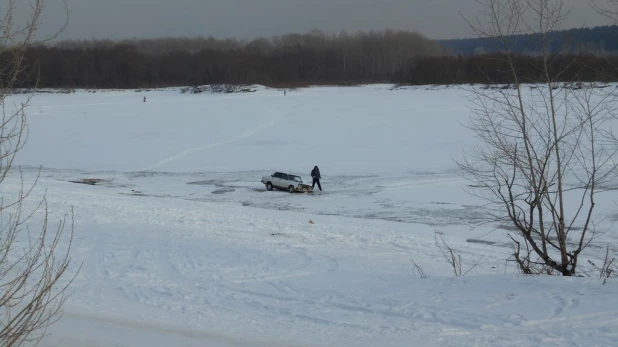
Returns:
(546,150)
(33,265)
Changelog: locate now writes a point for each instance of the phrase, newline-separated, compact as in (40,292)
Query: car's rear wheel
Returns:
(269,186)
(291,189)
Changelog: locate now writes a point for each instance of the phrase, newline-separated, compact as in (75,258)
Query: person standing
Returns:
(315,174)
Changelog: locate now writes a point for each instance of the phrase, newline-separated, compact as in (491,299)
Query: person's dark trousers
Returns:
(315,180)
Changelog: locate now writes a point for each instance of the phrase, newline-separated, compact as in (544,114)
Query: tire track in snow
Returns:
(298,256)
(267,124)
(97,269)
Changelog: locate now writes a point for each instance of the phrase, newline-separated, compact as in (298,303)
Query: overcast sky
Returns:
(248,19)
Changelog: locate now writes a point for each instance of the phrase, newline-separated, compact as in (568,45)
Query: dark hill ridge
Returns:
(601,39)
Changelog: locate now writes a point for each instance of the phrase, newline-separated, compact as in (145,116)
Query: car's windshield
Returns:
(295,178)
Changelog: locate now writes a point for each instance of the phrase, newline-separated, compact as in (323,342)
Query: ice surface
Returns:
(182,245)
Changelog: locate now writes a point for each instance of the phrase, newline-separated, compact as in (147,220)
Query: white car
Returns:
(281,180)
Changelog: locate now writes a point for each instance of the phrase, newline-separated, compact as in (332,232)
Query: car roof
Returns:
(285,173)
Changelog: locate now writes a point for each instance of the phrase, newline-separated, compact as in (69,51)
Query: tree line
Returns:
(291,60)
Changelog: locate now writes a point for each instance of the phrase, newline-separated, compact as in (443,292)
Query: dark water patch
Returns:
(134,193)
(213,182)
(484,242)
(223,191)
(91,181)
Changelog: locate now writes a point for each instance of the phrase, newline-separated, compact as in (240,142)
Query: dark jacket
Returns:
(315,173)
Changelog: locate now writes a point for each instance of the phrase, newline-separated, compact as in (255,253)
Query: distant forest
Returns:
(294,60)
(597,40)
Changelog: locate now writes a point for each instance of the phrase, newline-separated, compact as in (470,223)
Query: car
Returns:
(289,182)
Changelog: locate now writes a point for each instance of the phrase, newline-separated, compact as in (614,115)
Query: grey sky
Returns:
(252,18)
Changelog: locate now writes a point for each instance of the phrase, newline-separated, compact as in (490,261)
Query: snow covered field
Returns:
(182,245)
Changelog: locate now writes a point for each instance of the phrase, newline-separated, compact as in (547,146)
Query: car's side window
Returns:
(284,176)
(277,175)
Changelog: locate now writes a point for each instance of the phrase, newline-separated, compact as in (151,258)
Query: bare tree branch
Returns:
(33,264)
(607,8)
(453,257)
